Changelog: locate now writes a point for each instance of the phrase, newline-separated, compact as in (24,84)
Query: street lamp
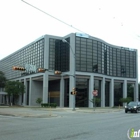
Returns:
(65,41)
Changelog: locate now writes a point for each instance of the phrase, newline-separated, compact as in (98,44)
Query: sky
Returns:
(114,21)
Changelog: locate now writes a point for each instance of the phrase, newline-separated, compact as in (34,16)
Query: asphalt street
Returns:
(69,125)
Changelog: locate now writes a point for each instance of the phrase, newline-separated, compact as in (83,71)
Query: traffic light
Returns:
(74,92)
(57,72)
(18,68)
(41,70)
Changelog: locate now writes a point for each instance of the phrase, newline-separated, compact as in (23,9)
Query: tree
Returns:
(96,101)
(2,79)
(14,88)
(125,100)
(39,101)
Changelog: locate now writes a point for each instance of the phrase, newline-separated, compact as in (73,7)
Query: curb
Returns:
(28,116)
(50,114)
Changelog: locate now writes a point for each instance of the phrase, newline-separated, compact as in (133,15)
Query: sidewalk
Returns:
(50,112)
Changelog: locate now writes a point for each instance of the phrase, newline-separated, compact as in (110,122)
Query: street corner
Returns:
(99,110)
(31,115)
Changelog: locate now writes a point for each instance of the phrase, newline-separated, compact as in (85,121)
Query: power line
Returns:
(134,35)
(53,16)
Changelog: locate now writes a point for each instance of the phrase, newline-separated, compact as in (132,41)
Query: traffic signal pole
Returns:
(74,75)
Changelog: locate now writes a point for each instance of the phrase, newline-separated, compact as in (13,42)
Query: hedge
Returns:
(48,105)
(125,100)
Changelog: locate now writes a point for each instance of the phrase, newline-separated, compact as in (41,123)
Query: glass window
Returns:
(109,58)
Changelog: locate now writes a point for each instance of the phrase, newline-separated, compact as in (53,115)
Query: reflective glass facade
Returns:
(130,90)
(118,93)
(31,54)
(99,57)
(107,93)
(82,88)
(66,93)
(59,55)
(99,65)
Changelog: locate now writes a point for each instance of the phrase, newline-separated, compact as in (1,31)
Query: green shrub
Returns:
(39,100)
(96,101)
(44,105)
(48,105)
(125,100)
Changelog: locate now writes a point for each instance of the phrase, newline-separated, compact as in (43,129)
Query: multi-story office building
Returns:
(96,64)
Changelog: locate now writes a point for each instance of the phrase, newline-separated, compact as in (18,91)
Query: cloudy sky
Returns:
(115,21)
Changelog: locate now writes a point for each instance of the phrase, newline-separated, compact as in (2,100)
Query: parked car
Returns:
(133,107)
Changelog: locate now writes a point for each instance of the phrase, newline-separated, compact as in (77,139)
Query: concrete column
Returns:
(91,88)
(25,94)
(71,86)
(111,98)
(136,95)
(45,87)
(62,92)
(124,90)
(72,52)
(46,52)
(30,91)
(103,92)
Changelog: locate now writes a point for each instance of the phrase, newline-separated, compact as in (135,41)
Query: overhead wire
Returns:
(53,17)
(136,36)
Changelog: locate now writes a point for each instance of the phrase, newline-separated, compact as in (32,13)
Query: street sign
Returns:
(95,92)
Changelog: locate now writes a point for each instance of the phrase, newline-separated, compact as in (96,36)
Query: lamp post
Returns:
(65,41)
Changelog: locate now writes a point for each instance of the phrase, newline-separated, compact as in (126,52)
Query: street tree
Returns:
(125,100)
(14,89)
(2,79)
(96,101)
(39,101)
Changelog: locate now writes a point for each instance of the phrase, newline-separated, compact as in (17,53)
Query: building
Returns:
(98,64)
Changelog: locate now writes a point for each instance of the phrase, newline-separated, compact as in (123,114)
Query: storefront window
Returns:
(82,88)
(118,93)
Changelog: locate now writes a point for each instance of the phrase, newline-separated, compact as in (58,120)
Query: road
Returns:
(70,126)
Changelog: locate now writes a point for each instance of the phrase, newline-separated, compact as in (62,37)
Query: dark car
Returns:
(133,107)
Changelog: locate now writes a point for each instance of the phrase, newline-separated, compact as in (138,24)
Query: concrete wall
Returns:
(37,92)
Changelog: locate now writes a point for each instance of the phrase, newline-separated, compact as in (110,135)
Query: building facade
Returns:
(97,65)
